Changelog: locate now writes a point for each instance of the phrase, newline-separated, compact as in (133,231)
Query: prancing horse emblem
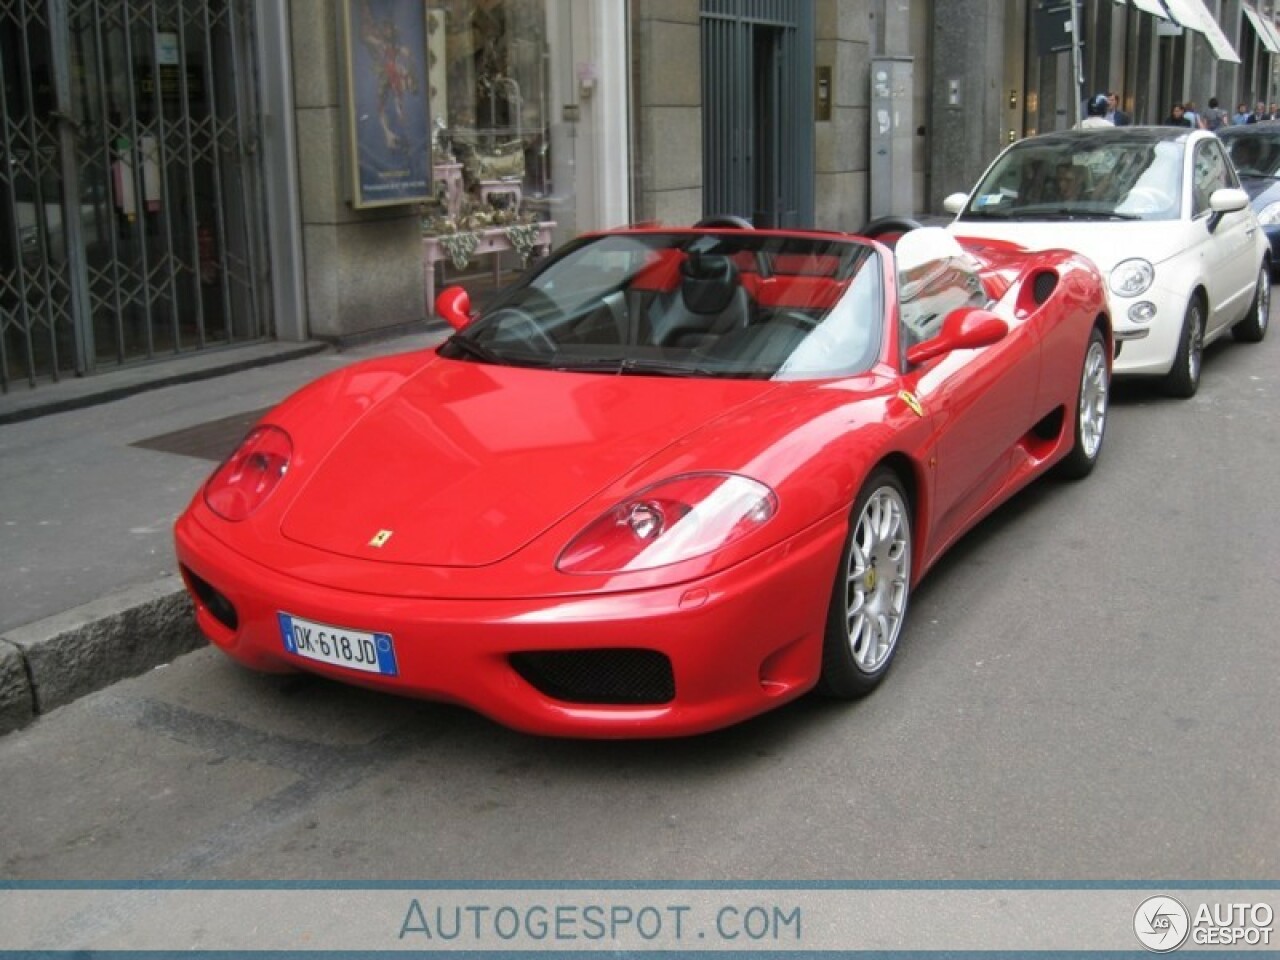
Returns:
(380,538)
(909,398)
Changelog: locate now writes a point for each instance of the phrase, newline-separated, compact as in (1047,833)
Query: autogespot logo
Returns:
(1161,924)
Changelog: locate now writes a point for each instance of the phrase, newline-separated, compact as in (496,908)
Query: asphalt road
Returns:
(1087,690)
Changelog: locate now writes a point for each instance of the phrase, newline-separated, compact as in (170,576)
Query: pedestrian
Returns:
(1189,111)
(1117,116)
(1177,117)
(1259,113)
(1273,112)
(1241,116)
(1214,118)
(1096,109)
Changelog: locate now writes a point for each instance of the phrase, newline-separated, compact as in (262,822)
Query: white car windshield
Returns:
(1078,179)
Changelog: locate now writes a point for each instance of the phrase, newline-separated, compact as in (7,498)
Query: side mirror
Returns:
(454,304)
(1223,201)
(967,328)
(955,202)
(1228,200)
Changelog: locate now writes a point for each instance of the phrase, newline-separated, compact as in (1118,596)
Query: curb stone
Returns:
(51,662)
(17,708)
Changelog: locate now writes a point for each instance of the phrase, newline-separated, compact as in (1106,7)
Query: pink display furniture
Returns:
(491,240)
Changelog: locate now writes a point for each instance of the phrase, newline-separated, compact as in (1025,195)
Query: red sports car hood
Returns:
(466,463)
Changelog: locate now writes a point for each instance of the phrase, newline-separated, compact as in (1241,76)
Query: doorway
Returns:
(757,110)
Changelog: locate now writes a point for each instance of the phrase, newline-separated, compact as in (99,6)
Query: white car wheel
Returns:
(1184,379)
(1254,326)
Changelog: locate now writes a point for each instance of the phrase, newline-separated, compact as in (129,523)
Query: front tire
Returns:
(1184,379)
(871,591)
(1091,411)
(1254,326)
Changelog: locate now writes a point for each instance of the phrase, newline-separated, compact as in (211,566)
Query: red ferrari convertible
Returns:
(671,479)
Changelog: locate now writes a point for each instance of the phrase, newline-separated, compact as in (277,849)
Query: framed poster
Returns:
(384,48)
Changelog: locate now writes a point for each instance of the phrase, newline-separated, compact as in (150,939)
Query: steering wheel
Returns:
(519,323)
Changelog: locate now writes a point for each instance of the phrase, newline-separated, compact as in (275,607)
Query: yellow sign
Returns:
(380,538)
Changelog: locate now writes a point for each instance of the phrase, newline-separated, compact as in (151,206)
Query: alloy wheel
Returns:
(1263,300)
(1195,348)
(877,578)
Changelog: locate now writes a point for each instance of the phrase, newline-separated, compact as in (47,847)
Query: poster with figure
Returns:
(389,129)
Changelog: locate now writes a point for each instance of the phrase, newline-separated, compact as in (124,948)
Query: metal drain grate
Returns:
(213,440)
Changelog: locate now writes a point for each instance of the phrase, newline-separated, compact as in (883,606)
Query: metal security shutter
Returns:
(130,208)
(757,118)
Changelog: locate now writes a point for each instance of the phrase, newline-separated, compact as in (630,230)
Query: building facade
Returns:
(188,175)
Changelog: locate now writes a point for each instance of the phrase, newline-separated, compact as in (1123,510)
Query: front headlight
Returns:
(1129,278)
(247,477)
(678,519)
(1269,215)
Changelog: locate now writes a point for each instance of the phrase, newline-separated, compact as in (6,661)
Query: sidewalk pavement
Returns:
(93,473)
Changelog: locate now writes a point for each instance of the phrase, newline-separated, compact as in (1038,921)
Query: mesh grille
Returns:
(599,676)
(1044,285)
(216,603)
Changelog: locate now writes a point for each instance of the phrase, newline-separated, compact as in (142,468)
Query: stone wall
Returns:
(843,35)
(966,94)
(667,94)
(363,268)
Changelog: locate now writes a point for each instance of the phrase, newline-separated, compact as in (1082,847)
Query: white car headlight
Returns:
(1269,215)
(1131,277)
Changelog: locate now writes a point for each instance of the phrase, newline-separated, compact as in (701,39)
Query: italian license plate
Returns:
(354,649)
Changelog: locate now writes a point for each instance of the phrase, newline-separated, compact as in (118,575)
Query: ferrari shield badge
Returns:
(909,398)
(380,538)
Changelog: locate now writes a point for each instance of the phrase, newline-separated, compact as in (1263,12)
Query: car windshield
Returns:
(738,303)
(1255,149)
(1073,179)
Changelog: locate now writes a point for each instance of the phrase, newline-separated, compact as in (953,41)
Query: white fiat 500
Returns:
(1160,211)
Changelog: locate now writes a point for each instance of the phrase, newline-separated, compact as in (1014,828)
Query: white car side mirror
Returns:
(955,203)
(1228,200)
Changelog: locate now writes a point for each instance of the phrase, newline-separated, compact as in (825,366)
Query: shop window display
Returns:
(487,73)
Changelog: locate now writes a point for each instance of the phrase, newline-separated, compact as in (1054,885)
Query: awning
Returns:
(1263,28)
(1193,15)
(1269,25)
(1152,7)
